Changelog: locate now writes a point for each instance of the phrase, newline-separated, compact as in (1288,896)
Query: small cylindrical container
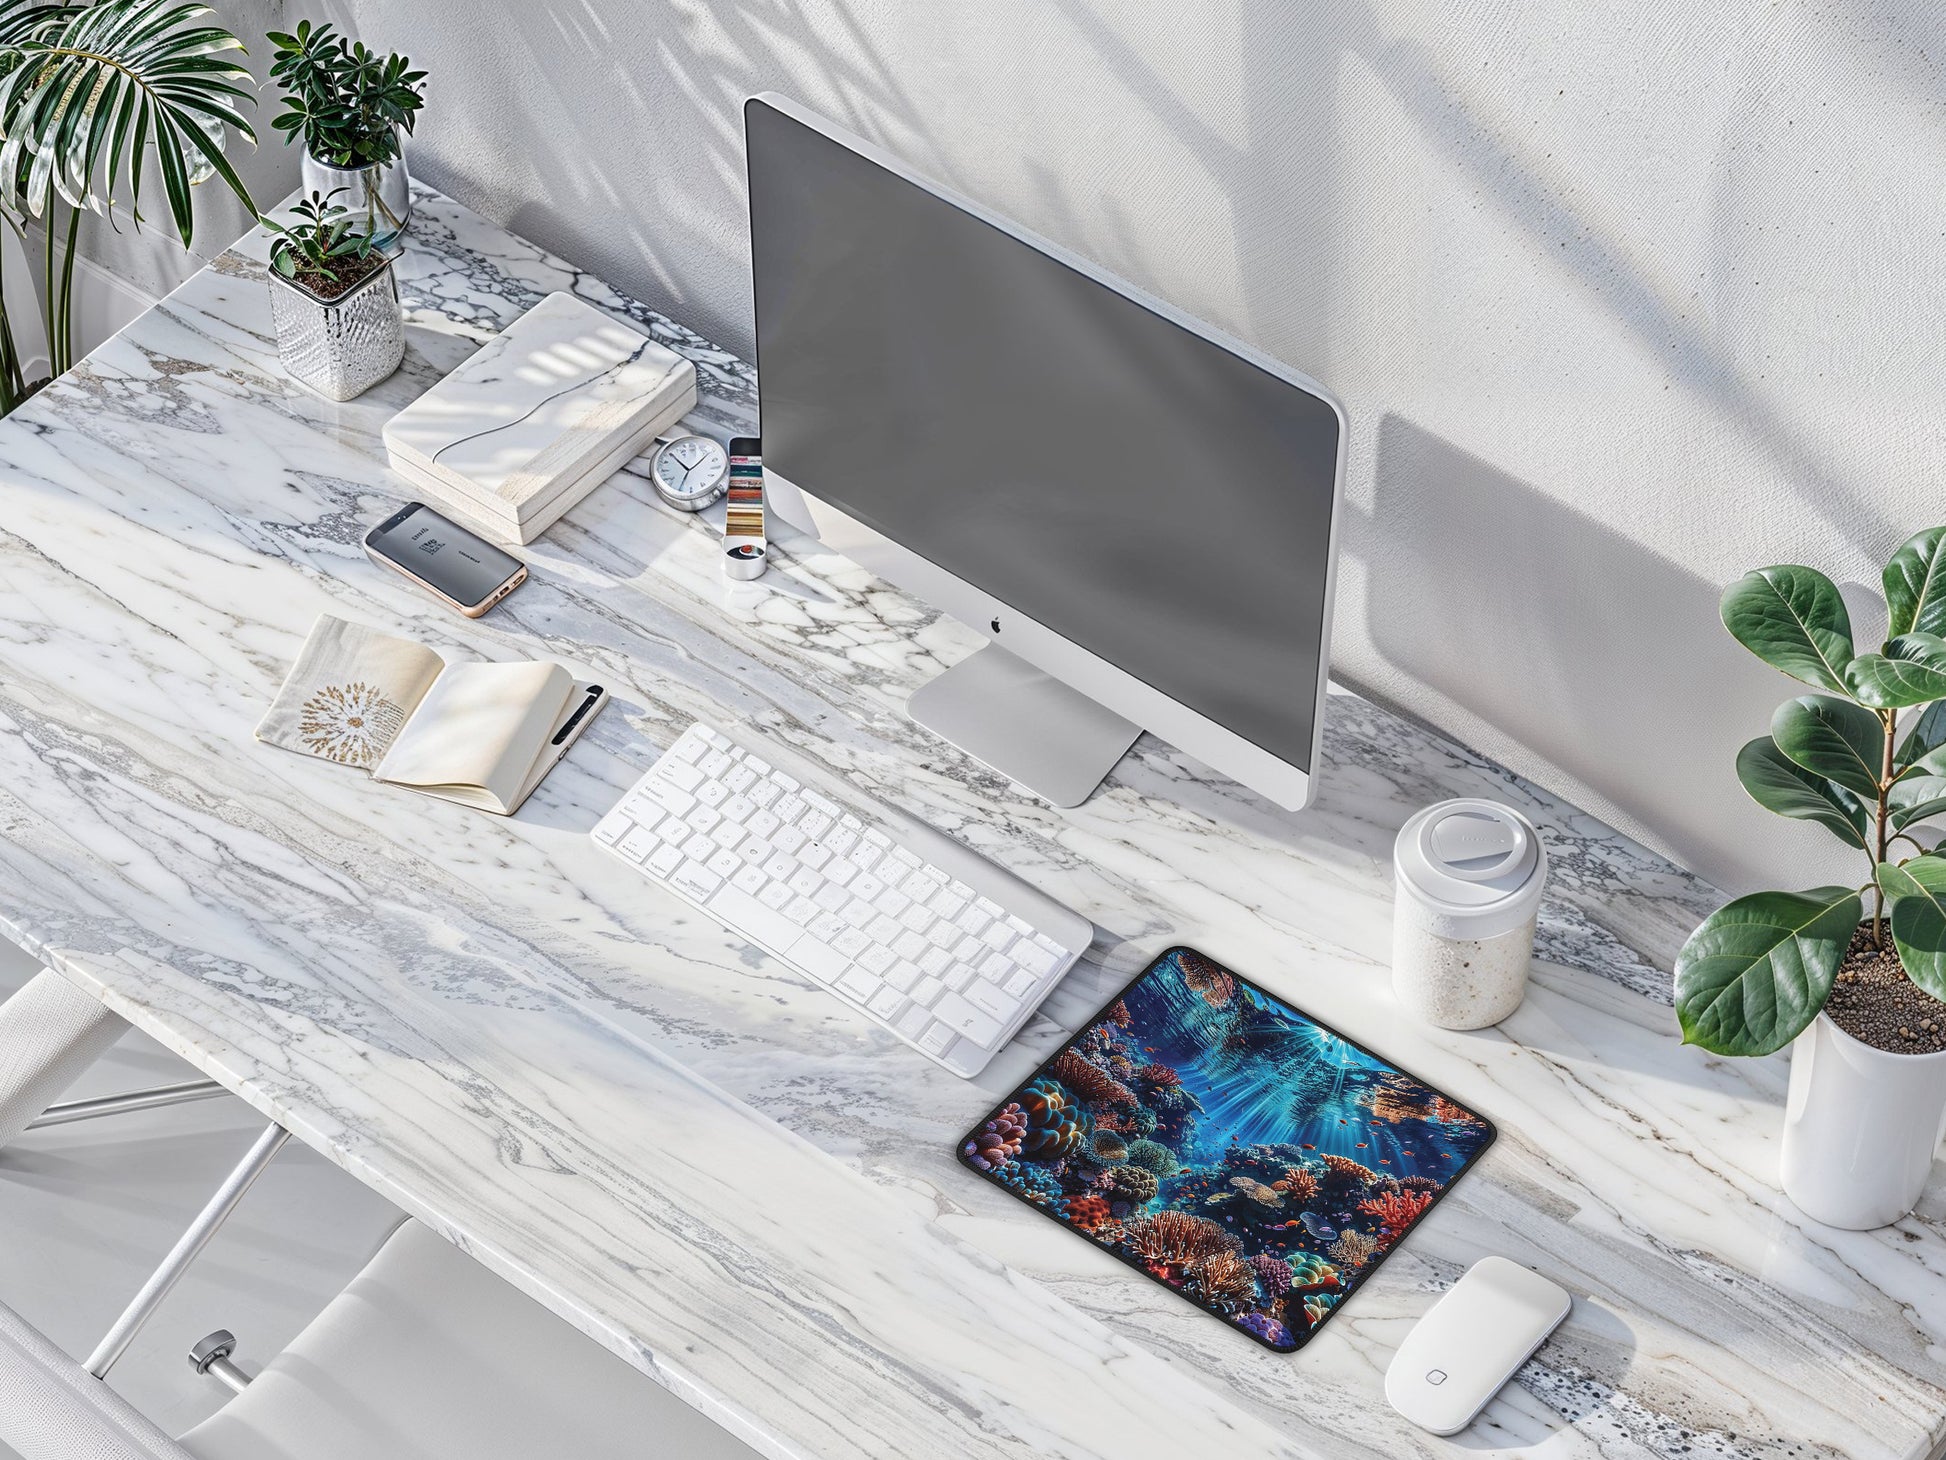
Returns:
(1470,875)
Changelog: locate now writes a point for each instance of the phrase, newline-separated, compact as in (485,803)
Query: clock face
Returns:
(690,468)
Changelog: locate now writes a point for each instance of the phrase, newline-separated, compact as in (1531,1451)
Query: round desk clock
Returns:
(690,471)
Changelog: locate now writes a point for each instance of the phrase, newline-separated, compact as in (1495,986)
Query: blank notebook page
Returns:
(480,725)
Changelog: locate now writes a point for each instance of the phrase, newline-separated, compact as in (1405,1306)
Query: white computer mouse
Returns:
(1471,1341)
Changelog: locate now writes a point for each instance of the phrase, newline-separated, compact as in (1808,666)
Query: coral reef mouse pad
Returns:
(1235,1150)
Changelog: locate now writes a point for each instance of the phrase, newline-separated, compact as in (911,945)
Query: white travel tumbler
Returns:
(1470,875)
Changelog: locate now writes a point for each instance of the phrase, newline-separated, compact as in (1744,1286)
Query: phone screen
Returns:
(442,554)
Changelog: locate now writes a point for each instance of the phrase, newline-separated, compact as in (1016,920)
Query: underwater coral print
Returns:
(1229,1147)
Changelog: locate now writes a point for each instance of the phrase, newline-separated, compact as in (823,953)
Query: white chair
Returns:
(424,1356)
(428,1356)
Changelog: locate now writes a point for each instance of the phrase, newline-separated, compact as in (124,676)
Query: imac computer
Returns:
(1138,511)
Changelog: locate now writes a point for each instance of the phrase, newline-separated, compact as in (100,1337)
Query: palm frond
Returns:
(90,94)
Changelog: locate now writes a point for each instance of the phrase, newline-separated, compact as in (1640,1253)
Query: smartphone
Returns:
(459,568)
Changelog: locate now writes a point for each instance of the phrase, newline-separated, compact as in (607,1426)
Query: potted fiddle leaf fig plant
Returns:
(334,301)
(350,105)
(1852,976)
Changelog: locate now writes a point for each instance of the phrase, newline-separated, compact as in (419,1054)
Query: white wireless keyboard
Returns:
(948,951)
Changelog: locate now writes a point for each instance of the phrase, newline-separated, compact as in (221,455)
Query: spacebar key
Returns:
(744,914)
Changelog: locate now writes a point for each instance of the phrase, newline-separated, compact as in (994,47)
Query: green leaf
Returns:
(1832,738)
(1792,618)
(1911,671)
(1914,798)
(1916,894)
(1915,585)
(1777,783)
(1925,735)
(1755,974)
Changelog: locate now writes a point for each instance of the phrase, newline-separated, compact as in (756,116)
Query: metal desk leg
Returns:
(49,1033)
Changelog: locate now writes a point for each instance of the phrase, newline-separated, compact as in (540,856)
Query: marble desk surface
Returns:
(711,1165)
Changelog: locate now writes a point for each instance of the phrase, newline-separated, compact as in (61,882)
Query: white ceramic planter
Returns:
(1860,1127)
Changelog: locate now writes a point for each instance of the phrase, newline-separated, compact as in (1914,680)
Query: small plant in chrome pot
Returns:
(1855,975)
(334,300)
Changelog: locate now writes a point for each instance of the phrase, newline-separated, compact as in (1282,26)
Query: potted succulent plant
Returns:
(350,105)
(334,299)
(1855,974)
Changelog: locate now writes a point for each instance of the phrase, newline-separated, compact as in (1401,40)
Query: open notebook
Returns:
(480,734)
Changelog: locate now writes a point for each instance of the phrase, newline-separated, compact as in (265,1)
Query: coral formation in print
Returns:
(1212,1136)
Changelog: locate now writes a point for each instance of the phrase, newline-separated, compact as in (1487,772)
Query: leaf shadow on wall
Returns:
(1494,595)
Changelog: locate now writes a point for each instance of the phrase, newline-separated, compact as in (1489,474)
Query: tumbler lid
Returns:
(1476,867)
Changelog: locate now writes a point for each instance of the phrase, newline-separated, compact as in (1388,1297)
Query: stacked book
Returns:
(538,418)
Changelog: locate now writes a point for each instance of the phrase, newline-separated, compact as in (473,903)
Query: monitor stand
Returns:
(1024,723)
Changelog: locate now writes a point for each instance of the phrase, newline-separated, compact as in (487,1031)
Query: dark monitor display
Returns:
(1140,490)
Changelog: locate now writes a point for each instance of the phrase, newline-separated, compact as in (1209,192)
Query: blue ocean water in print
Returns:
(1214,1137)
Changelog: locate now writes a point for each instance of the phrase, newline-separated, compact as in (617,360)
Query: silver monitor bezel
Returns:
(1119,690)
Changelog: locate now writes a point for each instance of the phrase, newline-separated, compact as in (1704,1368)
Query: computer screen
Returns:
(1129,484)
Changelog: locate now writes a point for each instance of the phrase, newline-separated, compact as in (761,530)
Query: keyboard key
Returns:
(851,942)
(712,793)
(780,866)
(972,921)
(948,906)
(739,809)
(788,839)
(820,962)
(842,841)
(925,990)
(814,856)
(937,1039)
(690,747)
(909,945)
(775,895)
(725,863)
(757,920)
(638,844)
(999,937)
(865,856)
(970,950)
(699,848)
(756,850)
(806,883)
(918,886)
(885,963)
(942,935)
(715,737)
(858,913)
(888,900)
(856,984)
(764,793)
(827,895)
(694,881)
(963,1018)
(1028,955)
(934,962)
(815,823)
(714,764)
(987,998)
(801,910)
(822,804)
(666,860)
(886,1003)
(824,928)
(1020,983)
(611,829)
(958,977)
(670,798)
(841,872)
(763,823)
(913,1021)
(749,879)
(789,808)
(726,834)
(740,778)
(703,818)
(682,776)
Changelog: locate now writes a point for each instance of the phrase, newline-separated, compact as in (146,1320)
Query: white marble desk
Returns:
(714,1167)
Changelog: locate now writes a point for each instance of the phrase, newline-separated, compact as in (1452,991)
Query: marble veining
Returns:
(710,1165)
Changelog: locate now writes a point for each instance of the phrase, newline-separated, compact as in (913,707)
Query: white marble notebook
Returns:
(540,415)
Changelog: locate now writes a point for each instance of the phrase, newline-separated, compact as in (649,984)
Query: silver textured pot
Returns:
(339,347)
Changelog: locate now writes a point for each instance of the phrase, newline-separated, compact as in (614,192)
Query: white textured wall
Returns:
(1623,299)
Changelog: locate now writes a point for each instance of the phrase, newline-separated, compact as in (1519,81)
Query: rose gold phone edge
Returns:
(513,581)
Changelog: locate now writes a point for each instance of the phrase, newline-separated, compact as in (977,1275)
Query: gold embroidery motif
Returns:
(349,723)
